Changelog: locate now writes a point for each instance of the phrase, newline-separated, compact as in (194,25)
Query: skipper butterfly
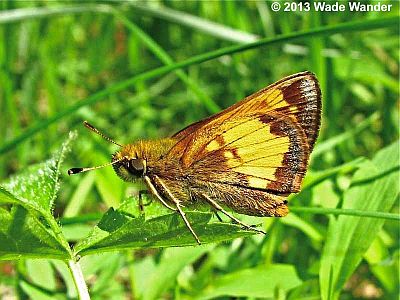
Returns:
(249,157)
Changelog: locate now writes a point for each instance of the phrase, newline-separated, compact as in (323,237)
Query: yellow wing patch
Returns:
(213,145)
(257,182)
(258,155)
(229,155)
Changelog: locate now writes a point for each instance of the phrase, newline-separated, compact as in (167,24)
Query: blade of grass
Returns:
(79,196)
(265,17)
(346,212)
(130,261)
(194,22)
(255,283)
(182,18)
(166,59)
(35,291)
(318,62)
(308,228)
(179,17)
(23,14)
(338,139)
(317,177)
(326,30)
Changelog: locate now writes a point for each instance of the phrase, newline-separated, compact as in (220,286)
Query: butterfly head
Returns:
(128,164)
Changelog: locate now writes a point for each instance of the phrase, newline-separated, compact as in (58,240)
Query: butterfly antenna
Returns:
(95,130)
(80,170)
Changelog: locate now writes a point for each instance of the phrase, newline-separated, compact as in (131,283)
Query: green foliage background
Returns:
(114,64)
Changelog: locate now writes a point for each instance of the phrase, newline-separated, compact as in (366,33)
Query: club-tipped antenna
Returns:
(74,171)
(95,130)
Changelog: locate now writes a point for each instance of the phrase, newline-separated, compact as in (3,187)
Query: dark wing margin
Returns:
(305,96)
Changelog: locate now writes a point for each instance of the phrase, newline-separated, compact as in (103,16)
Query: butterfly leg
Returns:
(182,213)
(219,208)
(173,199)
(217,215)
(141,205)
(155,192)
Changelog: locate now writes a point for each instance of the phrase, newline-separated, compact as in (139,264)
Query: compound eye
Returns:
(135,167)
(137,164)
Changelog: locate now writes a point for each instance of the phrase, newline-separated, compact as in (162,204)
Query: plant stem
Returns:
(349,212)
(77,275)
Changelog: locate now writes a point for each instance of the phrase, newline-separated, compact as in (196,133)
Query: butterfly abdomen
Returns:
(247,201)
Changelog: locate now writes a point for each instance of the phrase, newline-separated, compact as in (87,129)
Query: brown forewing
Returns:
(301,99)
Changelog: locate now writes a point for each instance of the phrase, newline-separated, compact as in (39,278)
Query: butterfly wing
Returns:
(251,165)
(253,154)
(297,96)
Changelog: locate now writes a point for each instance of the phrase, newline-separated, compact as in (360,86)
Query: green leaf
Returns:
(374,187)
(30,229)
(261,282)
(36,187)
(117,231)
(23,235)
